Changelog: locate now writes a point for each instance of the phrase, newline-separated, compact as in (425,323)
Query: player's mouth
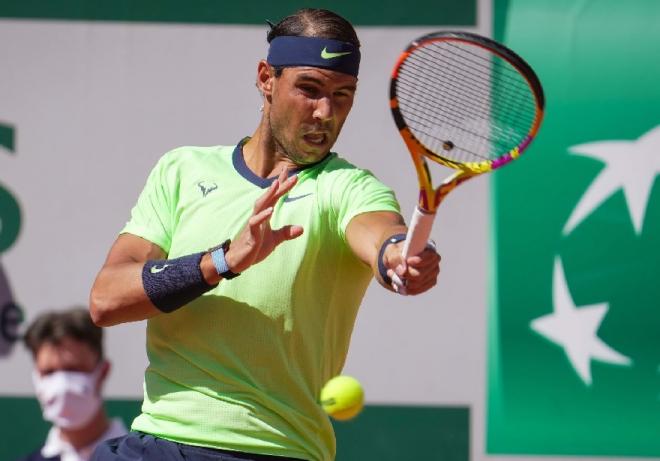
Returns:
(317,138)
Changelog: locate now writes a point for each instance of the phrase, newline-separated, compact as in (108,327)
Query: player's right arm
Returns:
(118,294)
(135,284)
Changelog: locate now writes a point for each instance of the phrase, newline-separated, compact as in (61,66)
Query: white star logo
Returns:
(575,329)
(629,165)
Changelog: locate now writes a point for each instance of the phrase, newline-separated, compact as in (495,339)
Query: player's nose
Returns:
(323,109)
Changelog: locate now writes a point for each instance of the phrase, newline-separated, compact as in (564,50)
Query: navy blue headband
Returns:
(290,51)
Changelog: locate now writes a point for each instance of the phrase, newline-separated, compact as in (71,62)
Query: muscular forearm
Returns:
(136,283)
(133,291)
(367,232)
(118,295)
(369,237)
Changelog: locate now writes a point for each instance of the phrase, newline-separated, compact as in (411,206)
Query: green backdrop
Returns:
(574,346)
(368,12)
(388,433)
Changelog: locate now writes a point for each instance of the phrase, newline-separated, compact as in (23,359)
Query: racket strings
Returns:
(481,60)
(513,114)
(434,88)
(468,109)
(458,107)
(478,88)
(424,123)
(464,57)
(471,98)
(424,96)
(424,120)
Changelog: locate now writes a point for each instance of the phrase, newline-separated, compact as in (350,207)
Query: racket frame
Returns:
(430,198)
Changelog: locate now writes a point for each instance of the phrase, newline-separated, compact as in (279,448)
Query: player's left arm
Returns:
(368,233)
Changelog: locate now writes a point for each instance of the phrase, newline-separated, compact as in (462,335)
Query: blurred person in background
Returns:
(69,372)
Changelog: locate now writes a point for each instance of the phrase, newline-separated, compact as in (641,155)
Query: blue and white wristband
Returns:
(219,261)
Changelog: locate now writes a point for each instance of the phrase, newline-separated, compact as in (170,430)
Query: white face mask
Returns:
(68,398)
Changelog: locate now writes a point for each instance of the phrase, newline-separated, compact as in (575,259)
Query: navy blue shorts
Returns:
(136,446)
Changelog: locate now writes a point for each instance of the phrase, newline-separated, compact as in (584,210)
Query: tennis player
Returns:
(243,333)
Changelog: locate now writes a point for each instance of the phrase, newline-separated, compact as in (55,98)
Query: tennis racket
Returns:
(465,102)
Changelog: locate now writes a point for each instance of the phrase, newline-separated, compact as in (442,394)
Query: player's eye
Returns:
(309,90)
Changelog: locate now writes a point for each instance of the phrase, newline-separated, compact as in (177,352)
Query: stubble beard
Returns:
(286,149)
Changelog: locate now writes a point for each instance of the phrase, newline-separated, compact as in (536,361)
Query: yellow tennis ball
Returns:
(342,397)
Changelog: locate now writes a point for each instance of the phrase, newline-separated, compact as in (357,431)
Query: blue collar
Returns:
(238,160)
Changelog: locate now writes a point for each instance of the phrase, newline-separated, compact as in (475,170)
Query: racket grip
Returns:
(419,232)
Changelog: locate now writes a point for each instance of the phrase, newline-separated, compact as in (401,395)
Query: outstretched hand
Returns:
(257,239)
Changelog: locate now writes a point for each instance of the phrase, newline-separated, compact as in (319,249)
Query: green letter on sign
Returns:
(10,213)
(7,137)
(10,219)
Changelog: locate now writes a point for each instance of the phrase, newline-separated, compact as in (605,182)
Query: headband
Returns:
(292,51)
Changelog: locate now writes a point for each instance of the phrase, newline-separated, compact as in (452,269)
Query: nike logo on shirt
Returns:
(297,197)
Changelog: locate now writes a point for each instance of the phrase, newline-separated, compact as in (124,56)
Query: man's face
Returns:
(308,108)
(68,355)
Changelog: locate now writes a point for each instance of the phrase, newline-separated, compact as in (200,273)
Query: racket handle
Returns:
(419,232)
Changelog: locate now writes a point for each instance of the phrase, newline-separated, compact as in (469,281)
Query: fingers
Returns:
(285,184)
(259,218)
(423,262)
(266,198)
(421,276)
(257,240)
(286,233)
(420,272)
(282,176)
(277,189)
(422,283)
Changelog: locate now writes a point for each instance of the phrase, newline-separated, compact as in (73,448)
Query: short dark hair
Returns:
(315,22)
(53,327)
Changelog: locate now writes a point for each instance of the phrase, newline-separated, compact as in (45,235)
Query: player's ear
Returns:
(265,77)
